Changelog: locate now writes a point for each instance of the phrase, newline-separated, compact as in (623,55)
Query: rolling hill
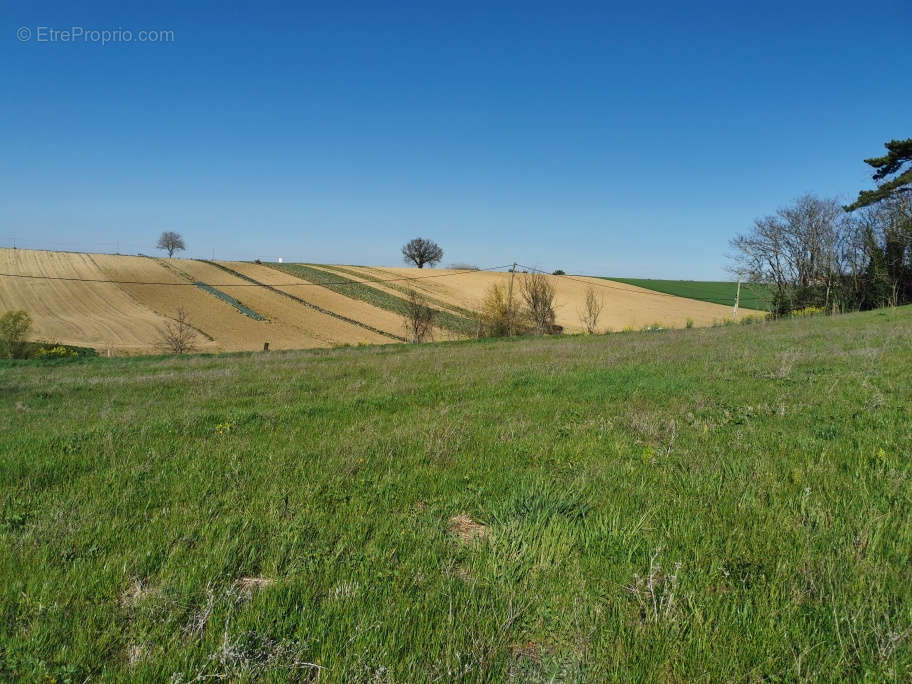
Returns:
(119,304)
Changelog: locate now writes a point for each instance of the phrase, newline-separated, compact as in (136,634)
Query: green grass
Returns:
(730,503)
(753,295)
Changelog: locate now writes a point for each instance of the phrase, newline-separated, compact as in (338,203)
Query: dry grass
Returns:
(465,529)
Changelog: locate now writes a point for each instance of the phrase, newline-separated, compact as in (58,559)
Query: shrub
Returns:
(591,311)
(538,296)
(808,311)
(689,323)
(179,336)
(499,315)
(558,272)
(14,328)
(418,317)
(56,352)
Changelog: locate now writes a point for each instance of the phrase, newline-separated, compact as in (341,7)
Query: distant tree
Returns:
(14,327)
(592,309)
(179,336)
(797,250)
(418,317)
(558,272)
(171,242)
(899,155)
(420,252)
(537,294)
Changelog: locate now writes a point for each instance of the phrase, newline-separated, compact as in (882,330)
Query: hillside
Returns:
(119,304)
(727,503)
(753,295)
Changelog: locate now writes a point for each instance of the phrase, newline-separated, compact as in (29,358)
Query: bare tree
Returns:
(171,242)
(537,294)
(420,252)
(798,250)
(418,317)
(179,336)
(592,309)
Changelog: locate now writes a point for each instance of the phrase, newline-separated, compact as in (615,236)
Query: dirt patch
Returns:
(134,593)
(135,654)
(465,529)
(246,586)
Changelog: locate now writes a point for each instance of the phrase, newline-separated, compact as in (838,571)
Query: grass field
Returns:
(753,295)
(728,503)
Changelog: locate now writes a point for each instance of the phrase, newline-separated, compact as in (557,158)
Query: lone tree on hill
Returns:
(420,252)
(899,153)
(171,242)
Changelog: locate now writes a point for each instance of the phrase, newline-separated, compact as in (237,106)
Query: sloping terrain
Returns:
(122,303)
(624,305)
(728,504)
(753,295)
(70,306)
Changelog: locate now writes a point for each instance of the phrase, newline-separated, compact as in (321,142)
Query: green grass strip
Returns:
(753,295)
(358,290)
(230,300)
(238,274)
(399,287)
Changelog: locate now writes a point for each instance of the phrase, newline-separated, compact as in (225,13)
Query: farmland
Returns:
(753,295)
(730,503)
(119,304)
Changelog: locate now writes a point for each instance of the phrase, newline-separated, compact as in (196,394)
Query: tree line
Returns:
(818,253)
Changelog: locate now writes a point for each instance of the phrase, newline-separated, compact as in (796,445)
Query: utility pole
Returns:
(510,297)
(737,300)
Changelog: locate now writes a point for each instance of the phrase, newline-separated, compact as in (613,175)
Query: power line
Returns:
(244,284)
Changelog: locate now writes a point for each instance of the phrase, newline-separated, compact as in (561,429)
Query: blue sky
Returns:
(597,138)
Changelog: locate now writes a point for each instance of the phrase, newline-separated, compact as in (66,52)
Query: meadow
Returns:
(753,295)
(726,503)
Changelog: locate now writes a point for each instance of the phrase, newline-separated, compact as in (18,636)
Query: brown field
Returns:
(100,315)
(291,324)
(320,296)
(227,328)
(127,317)
(626,306)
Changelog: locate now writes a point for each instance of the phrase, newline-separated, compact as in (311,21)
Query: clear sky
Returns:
(630,140)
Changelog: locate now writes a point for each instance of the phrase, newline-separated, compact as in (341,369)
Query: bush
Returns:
(538,296)
(179,335)
(418,317)
(589,314)
(558,272)
(56,352)
(499,315)
(808,311)
(14,328)
(689,323)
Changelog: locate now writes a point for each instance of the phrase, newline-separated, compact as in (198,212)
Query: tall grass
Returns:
(730,503)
